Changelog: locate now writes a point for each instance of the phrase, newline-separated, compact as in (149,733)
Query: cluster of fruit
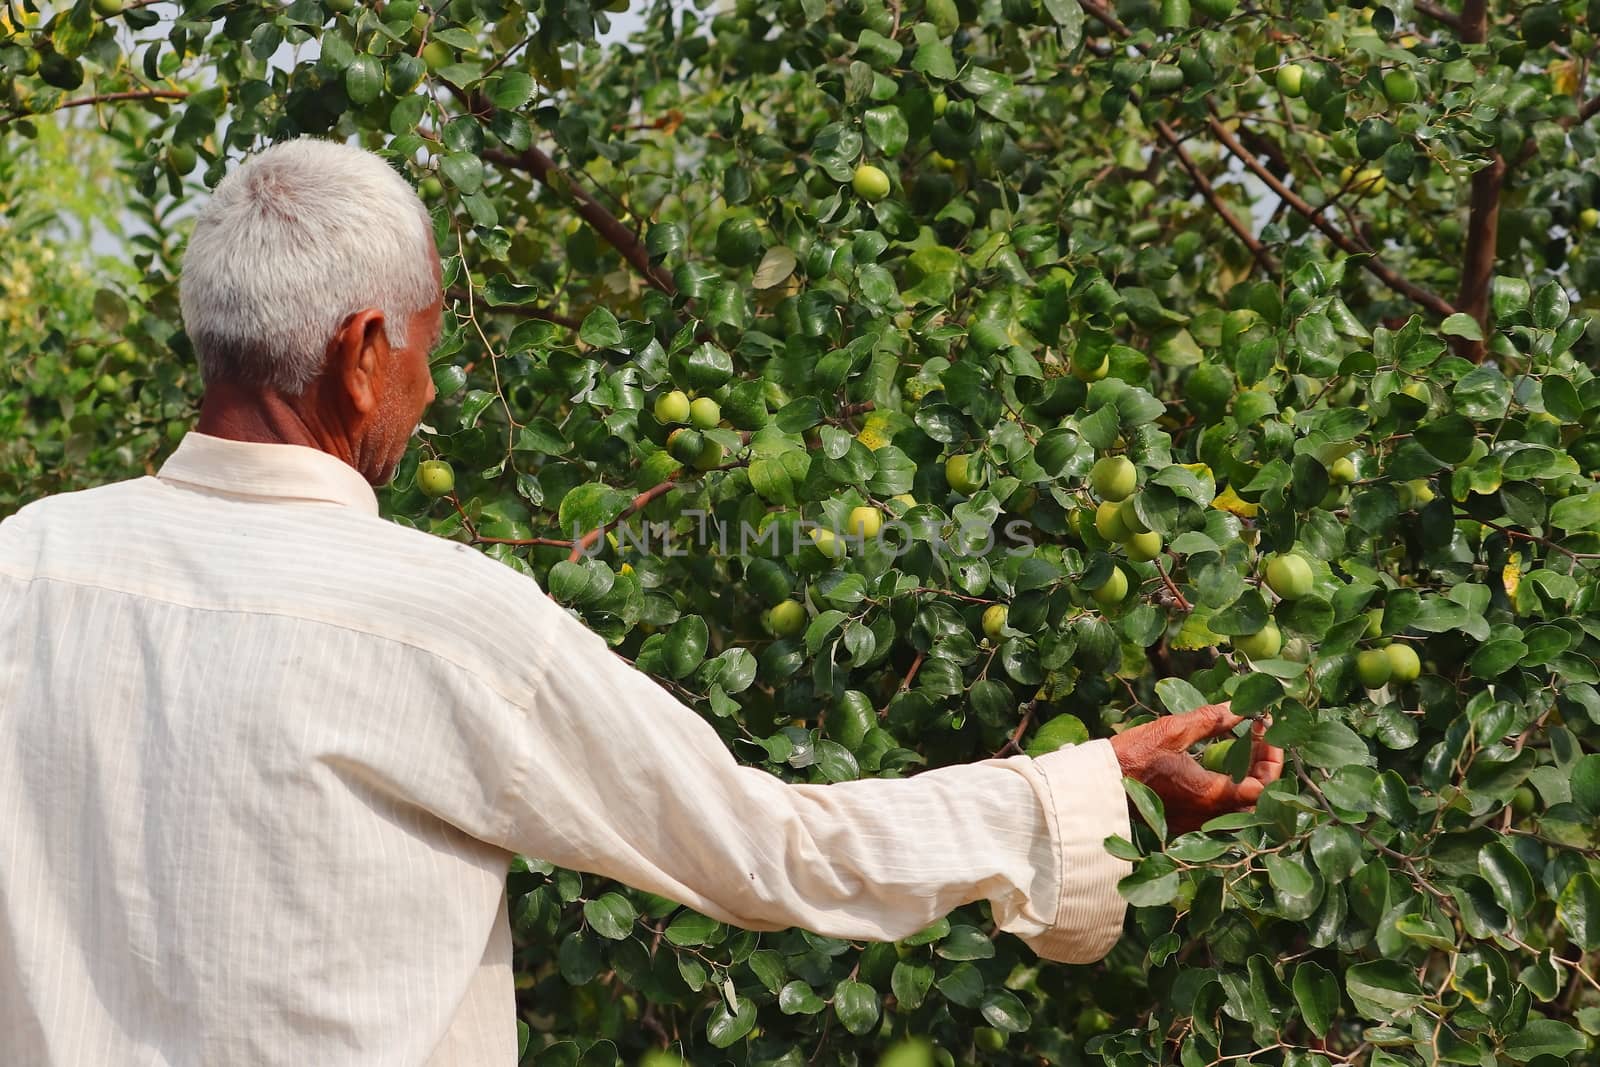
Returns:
(687,444)
(1115,480)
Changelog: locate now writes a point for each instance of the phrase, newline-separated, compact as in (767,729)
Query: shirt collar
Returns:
(273,471)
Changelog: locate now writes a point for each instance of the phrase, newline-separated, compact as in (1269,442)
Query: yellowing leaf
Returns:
(1511,575)
(1564,76)
(1231,502)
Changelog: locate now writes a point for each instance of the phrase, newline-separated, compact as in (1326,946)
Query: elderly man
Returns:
(261,782)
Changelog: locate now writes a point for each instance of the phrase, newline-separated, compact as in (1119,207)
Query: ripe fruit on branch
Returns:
(828,543)
(1114,591)
(994,620)
(672,407)
(1400,86)
(1291,79)
(1405,666)
(870,183)
(435,477)
(1143,547)
(1130,517)
(1108,522)
(787,618)
(1263,644)
(865,522)
(964,474)
(1374,668)
(1113,478)
(1289,576)
(705,413)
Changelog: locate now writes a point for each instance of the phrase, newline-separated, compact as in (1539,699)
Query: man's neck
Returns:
(242,413)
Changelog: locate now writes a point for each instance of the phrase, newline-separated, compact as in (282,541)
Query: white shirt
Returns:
(265,758)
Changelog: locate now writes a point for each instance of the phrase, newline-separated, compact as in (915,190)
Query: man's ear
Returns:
(360,352)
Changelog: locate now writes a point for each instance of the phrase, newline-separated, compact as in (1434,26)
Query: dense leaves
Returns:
(1318,273)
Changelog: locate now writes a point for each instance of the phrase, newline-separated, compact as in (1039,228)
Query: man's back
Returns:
(259,786)
(250,725)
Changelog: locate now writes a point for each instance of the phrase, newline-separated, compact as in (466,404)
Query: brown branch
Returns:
(1257,249)
(638,503)
(1586,111)
(108,98)
(1483,234)
(1177,594)
(1439,14)
(916,665)
(1102,14)
(553,542)
(1368,259)
(1015,743)
(1483,219)
(1262,145)
(536,163)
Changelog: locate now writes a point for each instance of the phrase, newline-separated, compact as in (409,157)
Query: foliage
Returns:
(1309,269)
(82,399)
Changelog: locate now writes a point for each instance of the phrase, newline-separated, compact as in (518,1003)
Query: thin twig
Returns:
(1268,262)
(638,503)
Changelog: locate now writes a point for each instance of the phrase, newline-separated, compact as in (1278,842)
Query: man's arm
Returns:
(620,779)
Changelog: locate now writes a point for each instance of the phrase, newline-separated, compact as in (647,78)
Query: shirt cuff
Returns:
(1084,804)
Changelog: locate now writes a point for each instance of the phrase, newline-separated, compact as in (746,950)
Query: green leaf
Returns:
(1333,745)
(1543,1037)
(691,928)
(462,170)
(1004,1011)
(725,1027)
(965,943)
(1508,876)
(1586,785)
(511,89)
(1178,696)
(600,329)
(1461,325)
(856,1005)
(611,916)
(1383,989)
(1578,909)
(910,983)
(1154,882)
(1577,512)
(1148,804)
(1316,994)
(798,998)
(1256,693)
(363,79)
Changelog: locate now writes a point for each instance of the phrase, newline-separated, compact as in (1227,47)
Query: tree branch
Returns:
(608,226)
(1440,14)
(540,166)
(1483,218)
(1257,249)
(1483,234)
(637,504)
(1367,258)
(108,98)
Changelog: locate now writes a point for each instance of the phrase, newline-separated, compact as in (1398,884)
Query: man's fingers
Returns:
(1266,761)
(1202,724)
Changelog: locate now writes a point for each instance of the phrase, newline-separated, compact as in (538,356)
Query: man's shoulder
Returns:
(325,563)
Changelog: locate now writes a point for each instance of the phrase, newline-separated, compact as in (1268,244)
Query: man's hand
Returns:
(1156,754)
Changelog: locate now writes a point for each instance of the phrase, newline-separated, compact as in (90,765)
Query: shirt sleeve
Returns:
(620,779)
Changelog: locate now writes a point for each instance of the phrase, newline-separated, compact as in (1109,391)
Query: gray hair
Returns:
(292,243)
